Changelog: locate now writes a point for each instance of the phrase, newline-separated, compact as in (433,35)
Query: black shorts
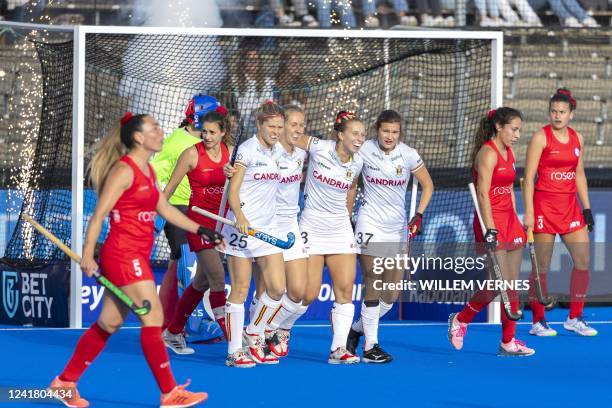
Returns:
(176,236)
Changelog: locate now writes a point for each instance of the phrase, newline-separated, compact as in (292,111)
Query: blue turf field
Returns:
(567,371)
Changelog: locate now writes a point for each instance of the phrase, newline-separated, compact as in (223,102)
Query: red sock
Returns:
(186,305)
(90,344)
(156,355)
(536,307)
(579,284)
(478,302)
(509,326)
(217,303)
(168,292)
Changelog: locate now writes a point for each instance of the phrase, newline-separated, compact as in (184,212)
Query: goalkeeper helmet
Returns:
(199,106)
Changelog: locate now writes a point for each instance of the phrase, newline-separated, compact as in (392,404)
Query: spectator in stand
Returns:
(301,18)
(493,19)
(342,7)
(529,17)
(371,10)
(569,12)
(431,16)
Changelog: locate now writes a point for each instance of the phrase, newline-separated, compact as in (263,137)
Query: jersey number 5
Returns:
(137,267)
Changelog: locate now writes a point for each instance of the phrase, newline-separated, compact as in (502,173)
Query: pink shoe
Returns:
(67,393)
(456,331)
(515,348)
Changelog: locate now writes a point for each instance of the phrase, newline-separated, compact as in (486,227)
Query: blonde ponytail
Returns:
(107,152)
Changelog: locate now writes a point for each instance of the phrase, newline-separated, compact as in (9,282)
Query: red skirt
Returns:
(511,234)
(556,213)
(123,269)
(196,242)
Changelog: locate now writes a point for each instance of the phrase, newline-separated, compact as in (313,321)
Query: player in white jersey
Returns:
(382,227)
(252,198)
(333,171)
(291,167)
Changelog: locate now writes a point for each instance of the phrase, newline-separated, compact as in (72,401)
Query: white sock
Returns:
(341,317)
(288,308)
(252,307)
(384,309)
(290,321)
(369,320)
(264,312)
(234,320)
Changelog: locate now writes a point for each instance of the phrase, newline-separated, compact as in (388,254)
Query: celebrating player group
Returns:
(253,189)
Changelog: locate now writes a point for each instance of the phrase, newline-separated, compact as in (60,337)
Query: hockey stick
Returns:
(223,203)
(548,302)
(495,264)
(140,311)
(277,242)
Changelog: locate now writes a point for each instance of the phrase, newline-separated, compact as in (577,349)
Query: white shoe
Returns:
(287,21)
(176,342)
(572,22)
(438,21)
(590,22)
(256,347)
(342,356)
(409,21)
(449,21)
(542,329)
(309,21)
(578,325)
(372,22)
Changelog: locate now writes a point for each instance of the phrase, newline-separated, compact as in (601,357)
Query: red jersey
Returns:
(133,216)
(502,180)
(207,179)
(557,166)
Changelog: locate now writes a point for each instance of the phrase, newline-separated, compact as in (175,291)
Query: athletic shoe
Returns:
(409,21)
(287,21)
(456,331)
(179,397)
(590,22)
(239,359)
(371,22)
(571,22)
(515,348)
(578,325)
(342,356)
(542,329)
(256,346)
(376,355)
(278,342)
(176,342)
(309,21)
(352,341)
(66,392)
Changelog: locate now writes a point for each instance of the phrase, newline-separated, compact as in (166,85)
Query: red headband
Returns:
(492,113)
(569,95)
(127,116)
(221,110)
(342,115)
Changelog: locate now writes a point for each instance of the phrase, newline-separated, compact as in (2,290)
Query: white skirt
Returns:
(297,251)
(375,240)
(244,246)
(325,235)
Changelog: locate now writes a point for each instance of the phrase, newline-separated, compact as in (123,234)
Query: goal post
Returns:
(441,81)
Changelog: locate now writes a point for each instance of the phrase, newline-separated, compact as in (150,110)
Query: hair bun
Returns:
(127,116)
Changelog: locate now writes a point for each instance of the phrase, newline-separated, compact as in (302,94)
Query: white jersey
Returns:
(261,181)
(328,179)
(385,179)
(291,167)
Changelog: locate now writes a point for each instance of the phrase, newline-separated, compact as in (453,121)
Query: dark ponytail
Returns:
(564,95)
(486,129)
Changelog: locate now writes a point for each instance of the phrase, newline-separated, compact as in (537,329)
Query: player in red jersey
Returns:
(127,189)
(203,164)
(555,154)
(494,173)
